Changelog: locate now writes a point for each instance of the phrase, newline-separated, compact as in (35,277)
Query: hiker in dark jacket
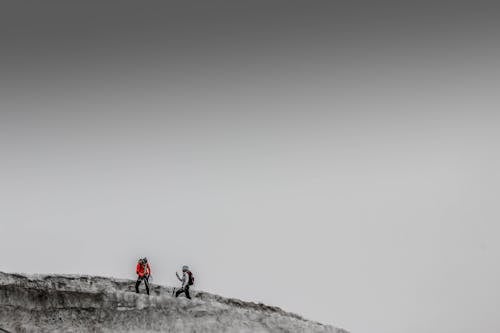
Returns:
(187,280)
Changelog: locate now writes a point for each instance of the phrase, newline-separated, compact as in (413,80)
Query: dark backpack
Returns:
(191,278)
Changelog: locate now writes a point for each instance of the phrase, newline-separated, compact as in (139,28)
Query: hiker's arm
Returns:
(176,274)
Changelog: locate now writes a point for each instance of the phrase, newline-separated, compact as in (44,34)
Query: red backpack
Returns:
(191,278)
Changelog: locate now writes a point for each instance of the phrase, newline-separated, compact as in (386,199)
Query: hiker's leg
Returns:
(137,283)
(186,291)
(178,292)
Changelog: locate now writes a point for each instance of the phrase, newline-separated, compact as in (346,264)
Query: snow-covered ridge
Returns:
(71,303)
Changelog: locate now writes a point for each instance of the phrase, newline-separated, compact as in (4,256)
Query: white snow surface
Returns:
(78,303)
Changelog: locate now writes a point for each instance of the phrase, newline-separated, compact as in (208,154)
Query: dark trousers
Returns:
(184,290)
(138,282)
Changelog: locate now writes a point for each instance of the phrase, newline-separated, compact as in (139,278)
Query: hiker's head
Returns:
(185,268)
(144,260)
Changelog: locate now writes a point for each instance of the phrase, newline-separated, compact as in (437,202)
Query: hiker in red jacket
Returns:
(143,272)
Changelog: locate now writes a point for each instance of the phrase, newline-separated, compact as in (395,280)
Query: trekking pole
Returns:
(149,280)
(173,289)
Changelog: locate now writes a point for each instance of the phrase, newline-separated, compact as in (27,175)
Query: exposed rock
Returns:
(67,303)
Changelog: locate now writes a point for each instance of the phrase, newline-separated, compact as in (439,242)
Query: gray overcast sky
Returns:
(266,144)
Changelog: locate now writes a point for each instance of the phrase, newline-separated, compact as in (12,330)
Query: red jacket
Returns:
(141,270)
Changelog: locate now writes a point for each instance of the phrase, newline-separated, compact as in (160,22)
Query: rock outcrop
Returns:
(68,303)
